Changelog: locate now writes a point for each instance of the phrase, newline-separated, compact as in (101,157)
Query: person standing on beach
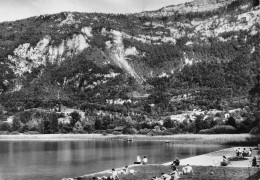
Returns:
(254,163)
(114,175)
(176,162)
(145,160)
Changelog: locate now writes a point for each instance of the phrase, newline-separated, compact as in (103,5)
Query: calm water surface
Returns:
(42,160)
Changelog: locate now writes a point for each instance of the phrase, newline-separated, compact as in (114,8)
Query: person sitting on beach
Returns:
(166,176)
(145,160)
(126,170)
(237,152)
(175,173)
(176,162)
(244,153)
(254,162)
(156,178)
(224,162)
(138,160)
(187,169)
(249,152)
(114,175)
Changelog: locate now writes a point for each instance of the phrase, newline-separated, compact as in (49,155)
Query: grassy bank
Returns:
(230,139)
(200,173)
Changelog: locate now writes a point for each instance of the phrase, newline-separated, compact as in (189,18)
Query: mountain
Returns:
(197,54)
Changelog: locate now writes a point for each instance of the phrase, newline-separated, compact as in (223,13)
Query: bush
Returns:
(116,133)
(14,132)
(5,126)
(32,132)
(165,133)
(144,131)
(75,118)
(168,123)
(104,133)
(4,132)
(255,131)
(129,131)
(25,128)
(232,122)
(171,131)
(25,116)
(16,124)
(226,129)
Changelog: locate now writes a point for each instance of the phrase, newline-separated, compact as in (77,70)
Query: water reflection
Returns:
(53,160)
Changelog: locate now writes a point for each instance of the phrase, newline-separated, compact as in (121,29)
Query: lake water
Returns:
(42,160)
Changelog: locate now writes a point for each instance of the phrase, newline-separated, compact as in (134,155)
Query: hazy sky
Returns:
(18,9)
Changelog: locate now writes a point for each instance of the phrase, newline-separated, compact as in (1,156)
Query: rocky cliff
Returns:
(80,51)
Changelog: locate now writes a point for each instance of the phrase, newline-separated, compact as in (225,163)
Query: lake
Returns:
(43,160)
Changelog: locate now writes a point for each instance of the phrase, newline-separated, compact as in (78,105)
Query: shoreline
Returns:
(199,138)
(211,159)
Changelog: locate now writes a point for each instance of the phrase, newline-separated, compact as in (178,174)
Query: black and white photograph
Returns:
(129,89)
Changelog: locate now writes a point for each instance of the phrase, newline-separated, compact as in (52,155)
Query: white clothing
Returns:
(175,174)
(114,175)
(249,153)
(138,159)
(145,160)
(166,177)
(187,170)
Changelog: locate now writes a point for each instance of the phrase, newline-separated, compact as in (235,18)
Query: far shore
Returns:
(241,139)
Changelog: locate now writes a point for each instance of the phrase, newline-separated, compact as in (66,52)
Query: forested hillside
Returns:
(133,68)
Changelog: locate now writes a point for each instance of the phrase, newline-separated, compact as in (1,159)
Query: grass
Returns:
(200,173)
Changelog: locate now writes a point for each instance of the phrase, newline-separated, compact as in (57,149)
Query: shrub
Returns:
(75,118)
(25,128)
(168,123)
(104,133)
(225,129)
(109,131)
(116,133)
(129,131)
(255,131)
(16,124)
(144,131)
(232,122)
(171,131)
(14,132)
(4,132)
(5,126)
(165,133)
(25,116)
(32,132)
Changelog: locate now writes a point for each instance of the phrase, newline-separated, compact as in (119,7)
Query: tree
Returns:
(78,127)
(232,122)
(254,93)
(16,124)
(75,117)
(255,3)
(168,123)
(98,124)
(5,126)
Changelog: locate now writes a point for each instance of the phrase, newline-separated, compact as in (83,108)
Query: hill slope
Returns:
(206,51)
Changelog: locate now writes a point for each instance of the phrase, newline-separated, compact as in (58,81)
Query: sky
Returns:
(11,10)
